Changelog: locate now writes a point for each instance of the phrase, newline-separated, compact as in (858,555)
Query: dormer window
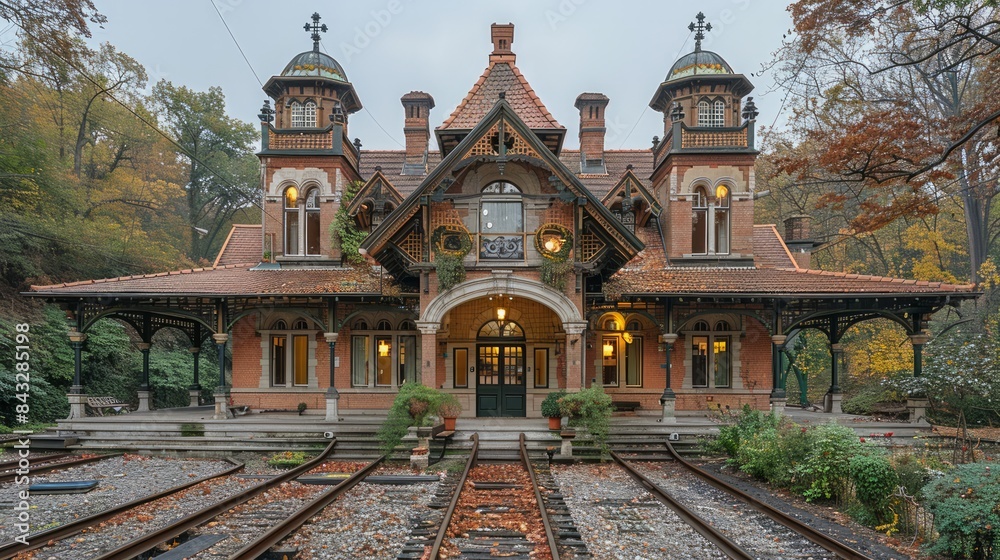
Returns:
(303,114)
(712,114)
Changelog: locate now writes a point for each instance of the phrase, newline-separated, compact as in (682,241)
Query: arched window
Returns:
(303,114)
(699,222)
(378,352)
(312,222)
(712,114)
(710,221)
(501,222)
(292,221)
(493,329)
(711,355)
(290,353)
(721,220)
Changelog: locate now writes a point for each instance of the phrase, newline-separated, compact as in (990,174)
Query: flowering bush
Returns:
(966,511)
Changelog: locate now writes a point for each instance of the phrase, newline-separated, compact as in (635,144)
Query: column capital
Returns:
(76,336)
(220,338)
(575,327)
(778,339)
(837,348)
(144,346)
(194,349)
(669,338)
(331,337)
(428,327)
(920,338)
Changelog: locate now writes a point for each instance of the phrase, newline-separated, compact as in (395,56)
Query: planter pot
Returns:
(449,424)
(555,423)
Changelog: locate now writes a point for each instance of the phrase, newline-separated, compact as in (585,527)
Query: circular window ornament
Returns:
(452,240)
(554,241)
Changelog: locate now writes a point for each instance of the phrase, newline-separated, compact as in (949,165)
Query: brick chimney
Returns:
(592,130)
(416,128)
(798,238)
(502,35)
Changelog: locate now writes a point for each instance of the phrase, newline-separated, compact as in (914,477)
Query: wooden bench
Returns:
(438,433)
(238,410)
(101,405)
(626,406)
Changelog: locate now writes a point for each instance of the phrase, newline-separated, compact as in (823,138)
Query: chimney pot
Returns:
(417,106)
(592,131)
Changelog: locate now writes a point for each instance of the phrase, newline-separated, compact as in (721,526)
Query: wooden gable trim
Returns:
(389,190)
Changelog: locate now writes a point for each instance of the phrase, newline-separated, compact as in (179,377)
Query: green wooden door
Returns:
(500,386)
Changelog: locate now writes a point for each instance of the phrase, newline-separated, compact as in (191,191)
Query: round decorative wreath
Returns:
(559,230)
(451,239)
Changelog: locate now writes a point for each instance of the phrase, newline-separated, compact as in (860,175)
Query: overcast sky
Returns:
(389,47)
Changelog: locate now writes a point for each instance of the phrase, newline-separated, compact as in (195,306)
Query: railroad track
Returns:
(49,536)
(148,541)
(706,528)
(496,511)
(52,463)
(35,458)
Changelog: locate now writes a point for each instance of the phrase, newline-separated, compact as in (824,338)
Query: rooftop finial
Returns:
(701,28)
(315,28)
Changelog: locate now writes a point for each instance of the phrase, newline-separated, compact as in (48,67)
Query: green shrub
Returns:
(450,271)
(875,482)
(590,408)
(550,406)
(824,472)
(748,422)
(413,406)
(966,511)
(911,474)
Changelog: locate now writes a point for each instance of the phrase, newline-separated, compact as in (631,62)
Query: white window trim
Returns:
(395,335)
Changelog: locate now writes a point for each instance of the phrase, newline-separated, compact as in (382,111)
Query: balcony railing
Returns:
(501,247)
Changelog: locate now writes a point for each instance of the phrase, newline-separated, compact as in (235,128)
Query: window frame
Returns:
(722,332)
(290,368)
(501,193)
(366,363)
(303,113)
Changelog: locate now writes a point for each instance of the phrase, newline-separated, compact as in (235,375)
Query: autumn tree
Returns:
(893,103)
(222,176)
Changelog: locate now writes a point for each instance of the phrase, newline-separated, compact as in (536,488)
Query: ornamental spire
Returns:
(315,28)
(701,28)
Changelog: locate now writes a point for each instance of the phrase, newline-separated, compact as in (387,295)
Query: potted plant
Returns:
(449,410)
(550,408)
(301,408)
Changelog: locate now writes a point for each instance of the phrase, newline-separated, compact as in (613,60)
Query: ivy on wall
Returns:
(344,229)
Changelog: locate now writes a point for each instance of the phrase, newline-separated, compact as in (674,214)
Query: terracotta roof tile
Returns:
(238,279)
(769,250)
(751,281)
(243,245)
(500,77)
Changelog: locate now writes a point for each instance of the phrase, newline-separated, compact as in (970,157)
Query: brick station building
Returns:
(501,266)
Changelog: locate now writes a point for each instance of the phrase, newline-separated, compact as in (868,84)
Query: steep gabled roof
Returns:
(501,77)
(377,187)
(243,245)
(769,249)
(501,112)
(631,186)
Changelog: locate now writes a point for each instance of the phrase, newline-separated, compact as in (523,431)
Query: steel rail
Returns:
(446,519)
(33,459)
(49,467)
(277,533)
(538,498)
(41,539)
(144,543)
(727,546)
(821,539)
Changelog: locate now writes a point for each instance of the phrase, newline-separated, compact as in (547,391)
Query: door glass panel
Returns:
(541,367)
(489,365)
(312,233)
(461,367)
(278,357)
(699,361)
(383,360)
(300,361)
(513,365)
